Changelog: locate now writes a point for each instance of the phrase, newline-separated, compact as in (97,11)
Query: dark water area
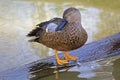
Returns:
(18,17)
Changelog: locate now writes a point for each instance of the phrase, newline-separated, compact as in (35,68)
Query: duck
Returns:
(61,34)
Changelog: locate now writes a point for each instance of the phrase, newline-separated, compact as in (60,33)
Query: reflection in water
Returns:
(107,69)
(116,69)
(64,76)
(86,69)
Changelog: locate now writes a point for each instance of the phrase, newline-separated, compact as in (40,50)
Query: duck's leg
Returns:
(68,57)
(59,61)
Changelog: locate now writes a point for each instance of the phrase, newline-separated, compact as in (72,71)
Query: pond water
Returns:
(18,17)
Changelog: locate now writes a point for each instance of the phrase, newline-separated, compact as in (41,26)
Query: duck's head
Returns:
(72,15)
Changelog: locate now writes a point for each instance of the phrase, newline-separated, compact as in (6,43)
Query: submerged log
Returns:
(106,47)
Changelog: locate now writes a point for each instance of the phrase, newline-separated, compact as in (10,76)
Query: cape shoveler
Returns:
(61,34)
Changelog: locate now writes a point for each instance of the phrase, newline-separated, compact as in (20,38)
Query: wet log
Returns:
(106,47)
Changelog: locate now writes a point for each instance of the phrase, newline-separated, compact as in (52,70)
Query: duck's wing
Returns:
(43,25)
(53,25)
(61,25)
(40,29)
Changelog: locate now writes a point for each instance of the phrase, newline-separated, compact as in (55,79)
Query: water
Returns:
(18,17)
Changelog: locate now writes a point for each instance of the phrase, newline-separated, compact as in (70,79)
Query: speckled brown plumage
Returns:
(71,37)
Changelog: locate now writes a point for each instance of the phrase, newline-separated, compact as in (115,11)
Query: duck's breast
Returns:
(76,36)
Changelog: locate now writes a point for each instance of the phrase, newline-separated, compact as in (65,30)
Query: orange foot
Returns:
(60,61)
(68,57)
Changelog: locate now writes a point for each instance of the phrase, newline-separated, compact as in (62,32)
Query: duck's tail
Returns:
(34,40)
(33,32)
